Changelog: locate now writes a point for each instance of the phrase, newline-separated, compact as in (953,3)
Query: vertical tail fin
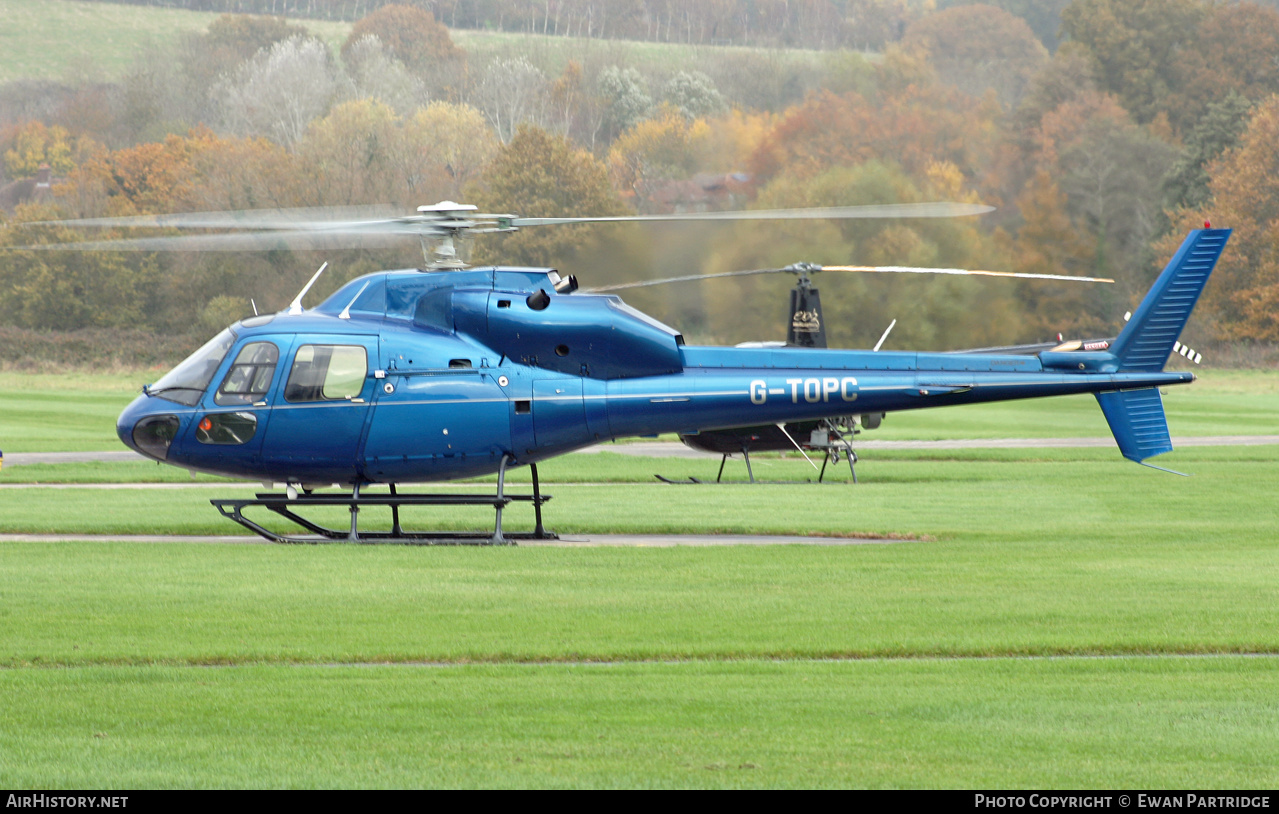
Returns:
(1137,419)
(1147,340)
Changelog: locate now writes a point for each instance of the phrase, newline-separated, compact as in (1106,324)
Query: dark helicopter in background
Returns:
(450,372)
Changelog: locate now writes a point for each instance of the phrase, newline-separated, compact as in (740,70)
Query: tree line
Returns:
(1097,167)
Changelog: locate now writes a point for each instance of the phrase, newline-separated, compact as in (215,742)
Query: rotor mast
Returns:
(447,247)
(805,327)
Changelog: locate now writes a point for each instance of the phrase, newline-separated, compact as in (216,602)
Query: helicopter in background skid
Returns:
(414,375)
(832,436)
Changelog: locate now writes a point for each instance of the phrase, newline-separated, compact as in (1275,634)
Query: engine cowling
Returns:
(582,334)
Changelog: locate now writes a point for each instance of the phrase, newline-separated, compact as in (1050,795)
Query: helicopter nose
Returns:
(144,429)
(124,425)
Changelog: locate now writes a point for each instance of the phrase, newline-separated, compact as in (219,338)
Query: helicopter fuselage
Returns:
(406,376)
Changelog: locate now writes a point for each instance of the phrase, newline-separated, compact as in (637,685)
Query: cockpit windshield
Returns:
(188,381)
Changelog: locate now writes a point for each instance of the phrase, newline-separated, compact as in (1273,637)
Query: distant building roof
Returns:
(27,190)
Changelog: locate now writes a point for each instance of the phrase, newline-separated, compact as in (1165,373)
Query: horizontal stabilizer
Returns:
(1147,340)
(1136,418)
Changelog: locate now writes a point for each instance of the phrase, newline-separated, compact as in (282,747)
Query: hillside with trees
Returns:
(1099,143)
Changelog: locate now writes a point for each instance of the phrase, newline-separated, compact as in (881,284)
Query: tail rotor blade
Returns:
(859,269)
(965,273)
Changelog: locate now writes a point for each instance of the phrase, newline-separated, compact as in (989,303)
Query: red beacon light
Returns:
(1207,225)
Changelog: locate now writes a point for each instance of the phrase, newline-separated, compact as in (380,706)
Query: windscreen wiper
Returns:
(146,389)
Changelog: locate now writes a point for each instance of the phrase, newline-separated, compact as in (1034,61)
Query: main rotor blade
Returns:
(939,209)
(865,269)
(233,242)
(301,218)
(685,279)
(967,272)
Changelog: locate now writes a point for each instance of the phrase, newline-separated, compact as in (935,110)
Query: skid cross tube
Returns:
(831,452)
(834,453)
(288,508)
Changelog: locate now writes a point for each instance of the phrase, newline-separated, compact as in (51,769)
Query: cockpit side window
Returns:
(250,375)
(327,373)
(187,382)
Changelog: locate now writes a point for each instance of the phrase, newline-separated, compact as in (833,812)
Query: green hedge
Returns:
(91,348)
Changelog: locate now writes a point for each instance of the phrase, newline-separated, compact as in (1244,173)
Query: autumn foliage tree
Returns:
(1217,131)
(347,155)
(979,47)
(1243,296)
(538,174)
(931,312)
(447,142)
(664,147)
(28,145)
(240,36)
(1110,171)
(196,172)
(921,124)
(1233,53)
(280,91)
(1176,57)
(1050,242)
(1073,150)
(67,290)
(148,178)
(1135,46)
(410,33)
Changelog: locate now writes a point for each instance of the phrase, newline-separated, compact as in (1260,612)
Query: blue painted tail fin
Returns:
(1136,417)
(1146,341)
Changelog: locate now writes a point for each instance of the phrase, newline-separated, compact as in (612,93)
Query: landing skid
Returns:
(288,508)
(832,456)
(690,479)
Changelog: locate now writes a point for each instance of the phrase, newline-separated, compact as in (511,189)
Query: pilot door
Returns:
(320,411)
(232,421)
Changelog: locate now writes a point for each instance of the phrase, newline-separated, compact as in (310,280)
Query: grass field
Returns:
(1001,494)
(1060,618)
(1109,723)
(1126,566)
(73,40)
(552,54)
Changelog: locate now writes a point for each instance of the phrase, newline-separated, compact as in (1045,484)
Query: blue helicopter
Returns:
(410,376)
